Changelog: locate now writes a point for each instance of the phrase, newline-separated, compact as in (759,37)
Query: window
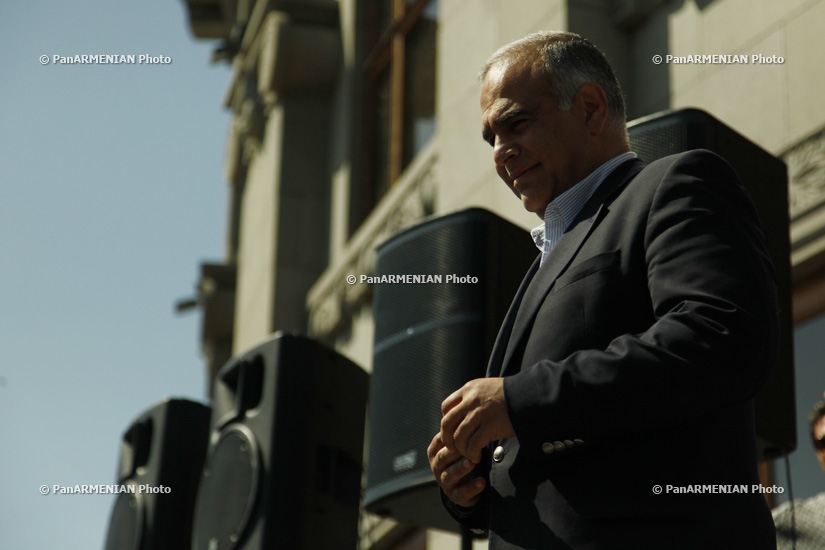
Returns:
(400,89)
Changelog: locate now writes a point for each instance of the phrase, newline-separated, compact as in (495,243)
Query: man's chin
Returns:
(534,207)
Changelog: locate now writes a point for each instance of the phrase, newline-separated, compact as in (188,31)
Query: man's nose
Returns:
(503,152)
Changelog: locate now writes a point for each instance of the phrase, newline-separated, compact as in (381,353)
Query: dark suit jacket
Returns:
(630,361)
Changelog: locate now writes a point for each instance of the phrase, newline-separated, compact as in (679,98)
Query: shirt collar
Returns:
(562,210)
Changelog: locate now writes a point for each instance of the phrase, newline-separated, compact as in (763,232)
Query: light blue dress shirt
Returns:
(562,210)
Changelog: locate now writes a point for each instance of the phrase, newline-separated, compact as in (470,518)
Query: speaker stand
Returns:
(466,539)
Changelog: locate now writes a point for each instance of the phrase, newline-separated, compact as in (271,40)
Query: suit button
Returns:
(547,448)
(568,444)
(559,445)
(578,442)
(498,454)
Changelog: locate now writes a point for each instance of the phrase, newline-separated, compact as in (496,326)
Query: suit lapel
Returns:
(561,256)
(496,356)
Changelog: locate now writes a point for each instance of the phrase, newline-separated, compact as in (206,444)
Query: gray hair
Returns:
(569,61)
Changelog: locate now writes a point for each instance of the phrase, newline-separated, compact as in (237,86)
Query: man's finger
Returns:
(454,474)
(451,401)
(449,424)
(464,431)
(445,466)
(476,443)
(467,494)
(434,446)
(454,471)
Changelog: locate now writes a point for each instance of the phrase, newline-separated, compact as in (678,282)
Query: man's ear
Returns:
(593,100)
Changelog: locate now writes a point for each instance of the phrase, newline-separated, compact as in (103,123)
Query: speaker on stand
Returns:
(441,291)
(283,468)
(161,457)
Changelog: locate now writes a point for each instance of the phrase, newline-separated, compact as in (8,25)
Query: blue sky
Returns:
(112,194)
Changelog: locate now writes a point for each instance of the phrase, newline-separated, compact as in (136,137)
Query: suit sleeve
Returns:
(713,336)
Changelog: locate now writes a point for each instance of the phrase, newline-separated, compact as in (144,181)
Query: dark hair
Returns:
(569,61)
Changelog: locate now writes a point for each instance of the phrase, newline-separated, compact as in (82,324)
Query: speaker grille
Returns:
(430,339)
(127,523)
(441,360)
(228,489)
(447,249)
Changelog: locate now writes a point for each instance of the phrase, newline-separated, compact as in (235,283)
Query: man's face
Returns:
(819,432)
(539,150)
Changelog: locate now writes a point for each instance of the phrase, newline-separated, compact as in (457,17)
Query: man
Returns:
(627,363)
(801,526)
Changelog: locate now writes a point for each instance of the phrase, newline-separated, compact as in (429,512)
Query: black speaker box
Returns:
(434,331)
(766,178)
(283,468)
(163,449)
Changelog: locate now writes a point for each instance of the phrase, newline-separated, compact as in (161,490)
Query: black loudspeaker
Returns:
(161,457)
(766,178)
(434,330)
(284,463)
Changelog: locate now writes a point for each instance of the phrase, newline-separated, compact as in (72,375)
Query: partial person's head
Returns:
(553,111)
(817,422)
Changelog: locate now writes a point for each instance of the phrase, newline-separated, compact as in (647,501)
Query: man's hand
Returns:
(452,471)
(473,416)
